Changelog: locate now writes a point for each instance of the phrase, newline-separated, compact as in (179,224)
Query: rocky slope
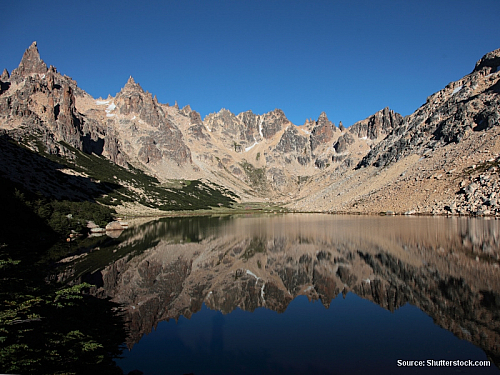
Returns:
(422,163)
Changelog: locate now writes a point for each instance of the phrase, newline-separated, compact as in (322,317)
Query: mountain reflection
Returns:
(447,267)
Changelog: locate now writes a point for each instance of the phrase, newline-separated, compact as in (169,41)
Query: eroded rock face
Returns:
(343,142)
(30,63)
(323,131)
(449,116)
(163,140)
(489,63)
(377,125)
(230,127)
(251,124)
(44,102)
(5,75)
(273,122)
(292,141)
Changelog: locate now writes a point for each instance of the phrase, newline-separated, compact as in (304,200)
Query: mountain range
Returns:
(442,159)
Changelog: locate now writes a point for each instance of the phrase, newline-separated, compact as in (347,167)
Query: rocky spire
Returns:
(131,85)
(323,120)
(322,132)
(30,63)
(5,75)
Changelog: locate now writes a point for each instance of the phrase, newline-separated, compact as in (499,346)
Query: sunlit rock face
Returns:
(452,115)
(448,269)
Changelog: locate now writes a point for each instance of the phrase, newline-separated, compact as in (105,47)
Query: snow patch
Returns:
(109,109)
(457,89)
(306,131)
(256,281)
(133,118)
(260,127)
(249,148)
(252,274)
(101,102)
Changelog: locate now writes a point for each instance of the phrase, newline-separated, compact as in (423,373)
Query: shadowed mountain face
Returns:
(446,267)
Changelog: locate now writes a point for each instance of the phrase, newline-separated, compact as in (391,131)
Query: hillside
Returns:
(139,155)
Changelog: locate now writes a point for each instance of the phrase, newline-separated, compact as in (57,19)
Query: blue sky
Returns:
(347,58)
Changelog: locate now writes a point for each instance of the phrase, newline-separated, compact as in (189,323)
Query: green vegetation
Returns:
(147,190)
(256,176)
(237,146)
(303,179)
(482,167)
(46,327)
(65,216)
(54,330)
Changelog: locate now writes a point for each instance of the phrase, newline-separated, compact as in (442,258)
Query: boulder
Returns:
(91,225)
(114,225)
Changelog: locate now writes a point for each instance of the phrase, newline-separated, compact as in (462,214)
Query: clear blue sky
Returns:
(347,58)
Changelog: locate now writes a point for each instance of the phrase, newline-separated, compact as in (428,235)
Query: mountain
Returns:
(441,159)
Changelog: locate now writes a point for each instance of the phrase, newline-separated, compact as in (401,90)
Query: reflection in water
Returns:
(171,268)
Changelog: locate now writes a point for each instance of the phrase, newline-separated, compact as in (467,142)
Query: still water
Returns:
(304,294)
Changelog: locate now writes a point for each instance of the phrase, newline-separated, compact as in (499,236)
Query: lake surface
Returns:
(304,294)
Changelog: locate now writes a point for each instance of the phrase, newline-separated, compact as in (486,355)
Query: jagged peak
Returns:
(5,75)
(323,119)
(249,112)
(491,61)
(131,85)
(186,109)
(278,112)
(30,63)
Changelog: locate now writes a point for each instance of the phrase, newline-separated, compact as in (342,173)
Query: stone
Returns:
(91,225)
(343,142)
(114,225)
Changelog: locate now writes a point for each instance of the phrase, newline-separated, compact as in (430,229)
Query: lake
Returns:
(304,294)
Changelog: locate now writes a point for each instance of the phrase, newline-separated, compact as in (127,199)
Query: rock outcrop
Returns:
(377,125)
(322,132)
(452,114)
(30,63)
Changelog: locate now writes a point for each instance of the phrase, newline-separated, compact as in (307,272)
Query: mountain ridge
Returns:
(316,166)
